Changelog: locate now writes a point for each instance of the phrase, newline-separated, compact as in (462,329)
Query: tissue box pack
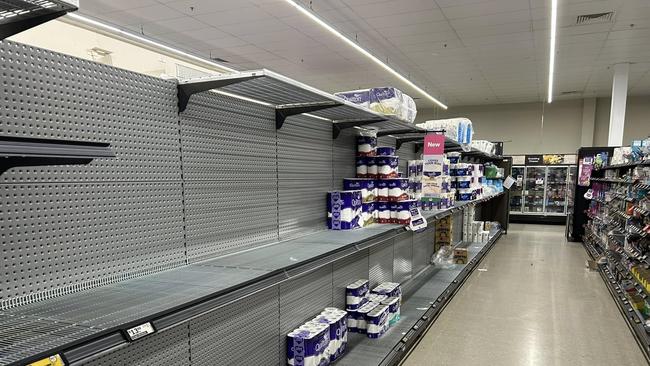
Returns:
(485,146)
(435,186)
(355,294)
(377,298)
(365,185)
(457,129)
(343,210)
(307,345)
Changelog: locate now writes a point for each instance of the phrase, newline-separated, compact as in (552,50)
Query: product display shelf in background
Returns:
(618,233)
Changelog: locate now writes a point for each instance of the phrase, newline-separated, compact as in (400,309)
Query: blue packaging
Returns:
(361,316)
(385,151)
(454,157)
(362,167)
(365,185)
(355,294)
(366,145)
(398,189)
(394,311)
(463,182)
(383,213)
(338,332)
(466,195)
(387,167)
(390,289)
(377,321)
(368,214)
(343,210)
(382,190)
(308,345)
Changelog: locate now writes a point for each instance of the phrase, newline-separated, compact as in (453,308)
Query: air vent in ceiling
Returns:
(595,18)
(571,92)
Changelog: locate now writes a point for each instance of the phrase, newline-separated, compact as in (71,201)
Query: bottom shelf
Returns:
(425,298)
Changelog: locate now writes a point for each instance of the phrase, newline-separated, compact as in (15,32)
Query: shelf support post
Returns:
(282,112)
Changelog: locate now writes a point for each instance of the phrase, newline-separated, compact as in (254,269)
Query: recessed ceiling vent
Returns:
(597,18)
(571,92)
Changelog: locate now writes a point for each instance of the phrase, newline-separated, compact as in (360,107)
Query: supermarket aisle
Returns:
(535,305)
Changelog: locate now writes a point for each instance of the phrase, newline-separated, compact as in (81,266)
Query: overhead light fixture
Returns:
(354,45)
(80,19)
(551,62)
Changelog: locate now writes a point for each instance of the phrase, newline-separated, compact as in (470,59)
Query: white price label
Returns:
(508,182)
(140,331)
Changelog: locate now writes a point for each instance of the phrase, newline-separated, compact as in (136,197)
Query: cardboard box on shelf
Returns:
(460,256)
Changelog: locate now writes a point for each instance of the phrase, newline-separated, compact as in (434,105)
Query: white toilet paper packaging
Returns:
(307,345)
(338,333)
(391,289)
(400,212)
(462,182)
(360,97)
(385,151)
(368,213)
(343,210)
(383,213)
(398,189)
(371,167)
(454,157)
(361,316)
(362,167)
(366,145)
(377,321)
(382,190)
(365,185)
(387,167)
(394,311)
(378,298)
(355,294)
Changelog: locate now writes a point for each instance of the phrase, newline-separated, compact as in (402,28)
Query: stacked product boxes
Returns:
(377,195)
(443,232)
(319,341)
(467,179)
(437,190)
(372,312)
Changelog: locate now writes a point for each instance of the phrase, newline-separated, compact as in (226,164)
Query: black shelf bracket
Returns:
(25,151)
(342,125)
(288,110)
(403,140)
(20,15)
(187,89)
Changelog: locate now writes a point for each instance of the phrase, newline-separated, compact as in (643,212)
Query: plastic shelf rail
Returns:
(81,325)
(626,165)
(24,151)
(19,15)
(290,97)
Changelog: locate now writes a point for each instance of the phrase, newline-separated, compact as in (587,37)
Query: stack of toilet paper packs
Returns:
(385,100)
(319,341)
(372,312)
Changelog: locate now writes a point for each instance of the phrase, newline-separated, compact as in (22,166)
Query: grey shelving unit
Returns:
(208,224)
(19,15)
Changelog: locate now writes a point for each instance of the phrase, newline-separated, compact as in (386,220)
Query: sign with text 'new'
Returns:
(434,144)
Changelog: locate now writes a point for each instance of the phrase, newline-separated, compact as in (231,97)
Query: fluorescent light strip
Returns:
(134,37)
(551,62)
(345,39)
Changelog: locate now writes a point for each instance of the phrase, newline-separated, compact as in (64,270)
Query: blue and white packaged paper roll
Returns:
(391,289)
(366,144)
(454,157)
(337,321)
(394,309)
(307,345)
(355,294)
(400,212)
(383,212)
(365,185)
(387,167)
(343,210)
(385,151)
(361,315)
(377,321)
(398,189)
(368,214)
(463,182)
(371,167)
(466,194)
(378,298)
(362,167)
(382,190)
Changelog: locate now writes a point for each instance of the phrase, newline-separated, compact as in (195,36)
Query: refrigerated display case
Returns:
(541,194)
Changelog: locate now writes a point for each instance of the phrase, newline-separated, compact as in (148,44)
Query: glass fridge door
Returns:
(534,184)
(571,186)
(556,190)
(517,190)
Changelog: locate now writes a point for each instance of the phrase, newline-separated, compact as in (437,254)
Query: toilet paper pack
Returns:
(343,210)
(355,294)
(337,321)
(361,316)
(307,345)
(365,185)
(394,310)
(377,321)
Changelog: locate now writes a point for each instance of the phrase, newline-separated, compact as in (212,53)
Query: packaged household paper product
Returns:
(343,210)
(362,167)
(355,294)
(390,289)
(378,298)
(382,190)
(307,345)
(387,167)
(360,97)
(366,143)
(368,214)
(457,129)
(434,186)
(394,313)
(383,213)
(463,182)
(361,316)
(398,189)
(466,195)
(337,321)
(377,321)
(385,151)
(400,212)
(365,185)
(371,167)
(454,157)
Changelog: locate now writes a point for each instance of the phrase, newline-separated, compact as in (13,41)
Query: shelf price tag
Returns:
(140,331)
(55,360)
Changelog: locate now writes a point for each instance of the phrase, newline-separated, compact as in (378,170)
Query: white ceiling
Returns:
(464,52)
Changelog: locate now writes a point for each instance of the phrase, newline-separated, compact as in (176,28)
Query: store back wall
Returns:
(521,123)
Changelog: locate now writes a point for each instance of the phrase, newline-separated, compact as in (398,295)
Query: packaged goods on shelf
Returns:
(394,309)
(366,167)
(484,146)
(457,129)
(435,165)
(376,298)
(443,231)
(360,317)
(307,345)
(390,289)
(398,189)
(387,167)
(385,151)
(454,157)
(356,294)
(460,256)
(343,210)
(385,100)
(367,143)
(377,321)
(365,185)
(383,213)
(337,321)
(400,212)
(368,214)
(415,179)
